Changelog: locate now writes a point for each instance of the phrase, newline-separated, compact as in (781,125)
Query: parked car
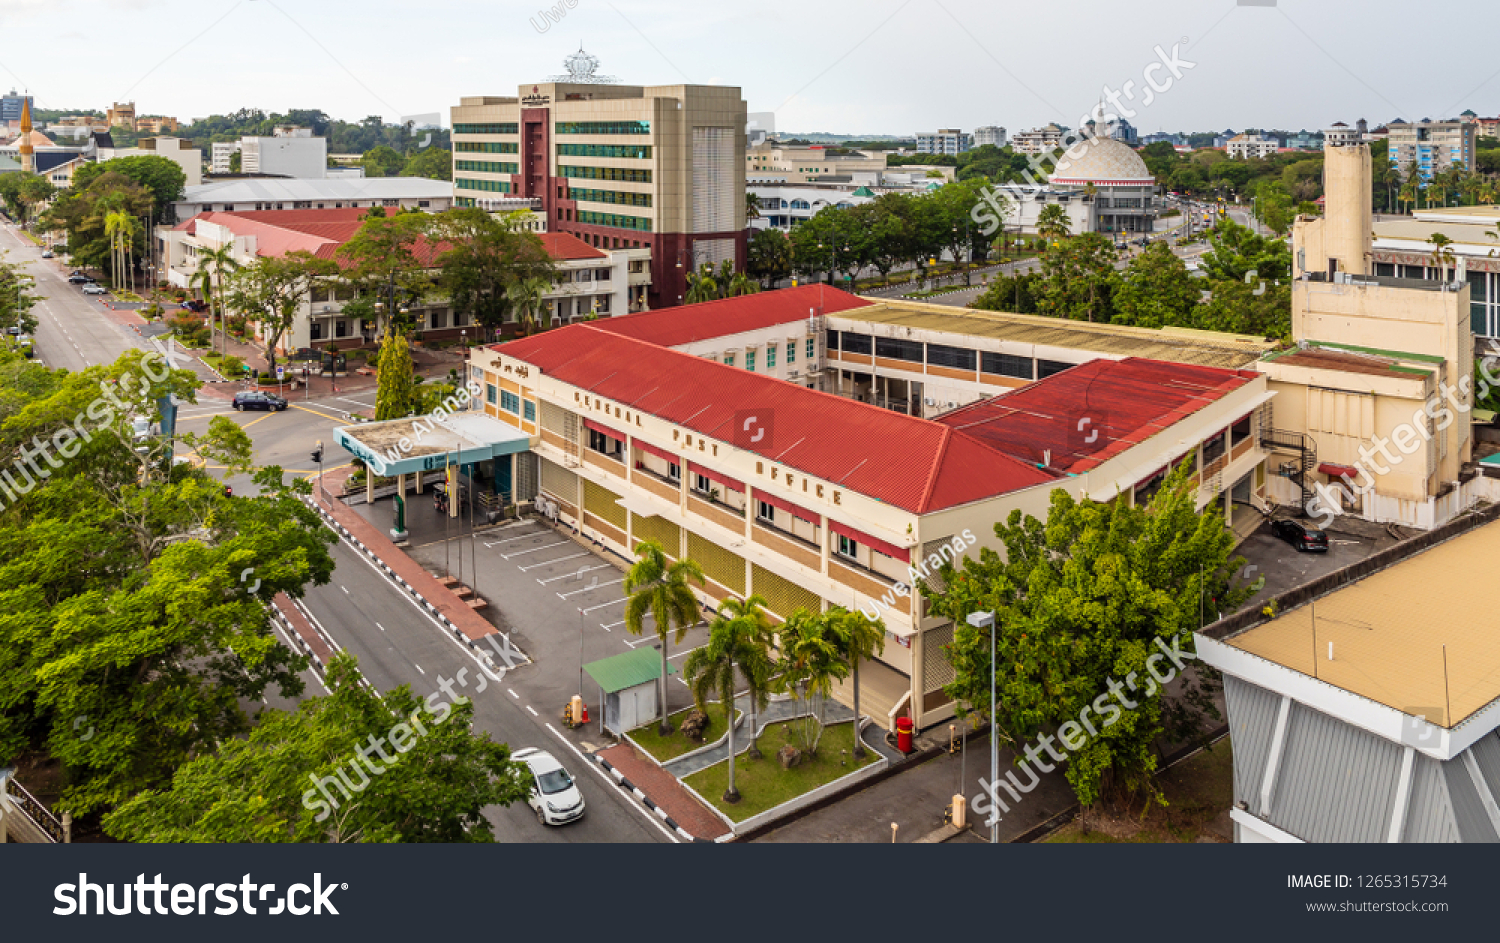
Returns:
(78,278)
(47,254)
(93,288)
(255,399)
(554,796)
(193,305)
(1301,536)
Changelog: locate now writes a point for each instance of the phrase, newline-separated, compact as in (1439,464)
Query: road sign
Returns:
(280,371)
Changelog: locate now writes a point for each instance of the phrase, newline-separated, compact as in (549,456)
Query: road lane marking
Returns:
(537,566)
(630,799)
(418,667)
(533,710)
(513,693)
(316,413)
(344,588)
(380,627)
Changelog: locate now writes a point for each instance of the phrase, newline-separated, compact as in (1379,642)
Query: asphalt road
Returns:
(73,330)
(398,643)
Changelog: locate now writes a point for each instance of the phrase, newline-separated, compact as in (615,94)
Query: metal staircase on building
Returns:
(1299,469)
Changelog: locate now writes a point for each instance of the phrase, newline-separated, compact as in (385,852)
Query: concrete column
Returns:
(369,484)
(453,491)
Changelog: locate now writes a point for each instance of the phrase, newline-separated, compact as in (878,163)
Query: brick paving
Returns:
(442,600)
(665,791)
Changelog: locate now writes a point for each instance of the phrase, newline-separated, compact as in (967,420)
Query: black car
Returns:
(78,278)
(1301,536)
(254,399)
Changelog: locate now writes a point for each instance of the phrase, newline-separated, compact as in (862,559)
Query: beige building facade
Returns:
(618,166)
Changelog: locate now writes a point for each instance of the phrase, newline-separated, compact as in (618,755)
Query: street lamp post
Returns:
(980,620)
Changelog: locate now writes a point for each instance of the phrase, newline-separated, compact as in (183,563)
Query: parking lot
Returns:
(1284,567)
(560,598)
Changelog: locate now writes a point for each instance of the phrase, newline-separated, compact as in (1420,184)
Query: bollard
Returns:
(960,812)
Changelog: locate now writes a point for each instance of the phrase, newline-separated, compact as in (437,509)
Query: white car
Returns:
(555,796)
(93,288)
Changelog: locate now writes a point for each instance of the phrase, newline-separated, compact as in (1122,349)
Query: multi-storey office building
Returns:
(619,166)
(812,500)
(950,141)
(989,134)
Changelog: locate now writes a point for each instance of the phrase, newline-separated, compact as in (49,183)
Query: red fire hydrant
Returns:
(903,734)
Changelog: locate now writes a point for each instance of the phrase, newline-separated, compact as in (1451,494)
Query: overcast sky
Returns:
(842,66)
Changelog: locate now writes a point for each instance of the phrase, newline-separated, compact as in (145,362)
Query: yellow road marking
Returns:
(316,413)
(333,469)
(252,422)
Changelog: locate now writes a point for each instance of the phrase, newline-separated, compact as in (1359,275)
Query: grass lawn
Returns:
(763,784)
(1199,793)
(675,744)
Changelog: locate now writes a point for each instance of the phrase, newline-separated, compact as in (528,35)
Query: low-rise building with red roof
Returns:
(811,499)
(593,282)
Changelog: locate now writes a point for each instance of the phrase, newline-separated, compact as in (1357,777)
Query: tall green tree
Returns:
(737,638)
(1234,251)
(430,162)
(427,777)
(389,259)
(382,161)
(482,259)
(813,650)
(769,257)
(1053,222)
(1081,602)
(1156,290)
(1079,279)
(859,638)
(394,398)
(527,297)
(129,641)
(162,177)
(81,212)
(271,291)
(663,589)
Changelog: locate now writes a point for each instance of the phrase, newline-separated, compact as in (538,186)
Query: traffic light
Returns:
(317,455)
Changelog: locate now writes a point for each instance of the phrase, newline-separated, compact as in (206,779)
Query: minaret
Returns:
(28,162)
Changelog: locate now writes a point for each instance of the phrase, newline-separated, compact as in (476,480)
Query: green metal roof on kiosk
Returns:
(618,672)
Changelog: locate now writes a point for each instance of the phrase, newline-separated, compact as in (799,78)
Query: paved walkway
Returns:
(659,789)
(776,712)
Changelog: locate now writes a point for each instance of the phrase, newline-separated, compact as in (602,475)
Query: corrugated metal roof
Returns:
(1229,351)
(684,324)
(637,666)
(1429,813)
(255,189)
(1091,412)
(1336,782)
(1472,821)
(911,463)
(1252,714)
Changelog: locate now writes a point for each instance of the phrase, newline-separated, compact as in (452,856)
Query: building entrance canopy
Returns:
(422,443)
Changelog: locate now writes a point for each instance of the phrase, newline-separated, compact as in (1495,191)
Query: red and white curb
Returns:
(646,801)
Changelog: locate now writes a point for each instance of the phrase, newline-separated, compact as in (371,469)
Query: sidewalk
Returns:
(662,793)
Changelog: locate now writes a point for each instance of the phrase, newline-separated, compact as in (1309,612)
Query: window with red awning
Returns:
(874,543)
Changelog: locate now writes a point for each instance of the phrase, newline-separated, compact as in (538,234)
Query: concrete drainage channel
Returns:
(432,610)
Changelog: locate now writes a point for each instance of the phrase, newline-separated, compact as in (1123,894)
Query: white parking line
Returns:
(537,566)
(589,589)
(573,575)
(513,693)
(520,553)
(532,709)
(540,533)
(611,625)
(603,604)
(418,667)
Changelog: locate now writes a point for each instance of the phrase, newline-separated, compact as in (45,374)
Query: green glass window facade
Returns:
(603,127)
(500,127)
(621,174)
(629,151)
(750,360)
(770,356)
(489,186)
(487,147)
(614,220)
(609,196)
(488,166)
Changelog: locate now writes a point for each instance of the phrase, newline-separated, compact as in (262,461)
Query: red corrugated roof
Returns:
(1091,412)
(322,232)
(673,327)
(915,464)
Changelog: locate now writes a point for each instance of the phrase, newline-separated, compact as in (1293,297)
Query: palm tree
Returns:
(212,266)
(741,284)
(526,296)
(736,639)
(701,286)
(752,207)
(119,227)
(1053,222)
(1441,254)
(661,588)
(861,639)
(812,658)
